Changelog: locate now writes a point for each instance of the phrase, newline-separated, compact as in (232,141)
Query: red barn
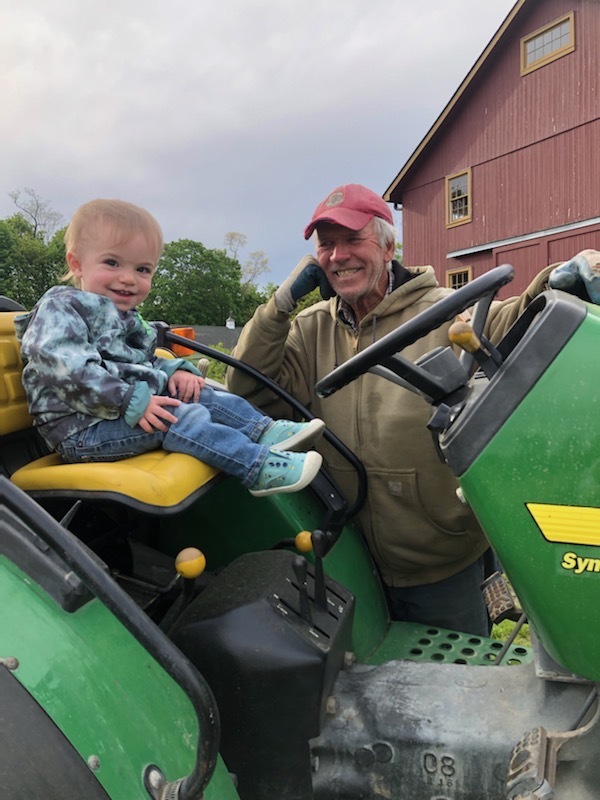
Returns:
(509,172)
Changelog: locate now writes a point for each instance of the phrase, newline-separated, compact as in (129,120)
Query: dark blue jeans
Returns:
(455,603)
(222,430)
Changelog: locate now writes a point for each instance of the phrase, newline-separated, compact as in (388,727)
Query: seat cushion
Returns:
(157,482)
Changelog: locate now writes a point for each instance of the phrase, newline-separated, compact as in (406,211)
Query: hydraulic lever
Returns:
(190,563)
(482,350)
(319,548)
(300,567)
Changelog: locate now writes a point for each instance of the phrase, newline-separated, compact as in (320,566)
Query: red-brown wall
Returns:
(533,146)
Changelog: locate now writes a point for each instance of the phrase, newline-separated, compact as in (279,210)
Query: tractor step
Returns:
(414,642)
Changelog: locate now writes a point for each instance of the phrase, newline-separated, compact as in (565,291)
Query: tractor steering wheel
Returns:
(481,291)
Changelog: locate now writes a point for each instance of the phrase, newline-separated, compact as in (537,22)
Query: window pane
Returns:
(459,197)
(548,42)
(458,279)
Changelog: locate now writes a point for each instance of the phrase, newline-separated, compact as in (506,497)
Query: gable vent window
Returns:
(548,43)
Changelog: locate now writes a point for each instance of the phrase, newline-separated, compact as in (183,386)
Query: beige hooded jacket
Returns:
(417,530)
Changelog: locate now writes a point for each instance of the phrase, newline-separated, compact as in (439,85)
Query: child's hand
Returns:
(156,413)
(186,386)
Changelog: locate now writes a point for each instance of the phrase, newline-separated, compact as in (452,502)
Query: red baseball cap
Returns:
(352,206)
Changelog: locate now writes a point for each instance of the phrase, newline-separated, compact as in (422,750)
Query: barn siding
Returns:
(532,145)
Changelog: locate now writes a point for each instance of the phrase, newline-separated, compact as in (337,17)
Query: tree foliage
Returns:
(199,286)
(28,265)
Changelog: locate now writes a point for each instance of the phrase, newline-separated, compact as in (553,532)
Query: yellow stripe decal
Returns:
(567,524)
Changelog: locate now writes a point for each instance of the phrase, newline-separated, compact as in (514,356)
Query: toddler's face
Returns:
(122,271)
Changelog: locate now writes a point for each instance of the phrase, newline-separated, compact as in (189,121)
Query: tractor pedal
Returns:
(499,599)
(526,778)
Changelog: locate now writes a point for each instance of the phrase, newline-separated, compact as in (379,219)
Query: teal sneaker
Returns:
(283,434)
(286,472)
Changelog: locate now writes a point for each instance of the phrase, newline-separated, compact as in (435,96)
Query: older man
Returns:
(427,545)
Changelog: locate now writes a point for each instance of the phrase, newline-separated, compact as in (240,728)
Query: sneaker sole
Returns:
(303,438)
(312,465)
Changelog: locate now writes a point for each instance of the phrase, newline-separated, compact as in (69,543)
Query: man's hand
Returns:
(185,386)
(579,276)
(156,414)
(305,277)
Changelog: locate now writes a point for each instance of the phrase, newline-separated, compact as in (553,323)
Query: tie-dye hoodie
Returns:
(85,361)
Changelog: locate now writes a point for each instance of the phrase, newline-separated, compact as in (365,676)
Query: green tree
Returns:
(28,266)
(194,285)
(251,298)
(57,254)
(8,245)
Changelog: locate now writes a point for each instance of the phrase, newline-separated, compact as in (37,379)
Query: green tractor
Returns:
(128,671)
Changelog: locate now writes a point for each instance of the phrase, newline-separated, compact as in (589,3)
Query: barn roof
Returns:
(394,191)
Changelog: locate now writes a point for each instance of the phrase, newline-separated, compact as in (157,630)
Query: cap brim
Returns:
(355,220)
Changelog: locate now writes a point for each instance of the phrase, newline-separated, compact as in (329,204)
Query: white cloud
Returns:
(231,115)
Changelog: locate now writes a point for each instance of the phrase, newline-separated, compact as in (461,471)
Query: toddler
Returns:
(96,390)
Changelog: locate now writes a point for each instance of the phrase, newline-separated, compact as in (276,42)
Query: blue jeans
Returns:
(455,603)
(222,430)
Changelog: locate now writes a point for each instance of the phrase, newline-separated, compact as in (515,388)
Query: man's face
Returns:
(354,263)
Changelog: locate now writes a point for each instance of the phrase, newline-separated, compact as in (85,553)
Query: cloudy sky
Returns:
(228,115)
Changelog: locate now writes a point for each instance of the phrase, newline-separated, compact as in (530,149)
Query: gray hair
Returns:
(386,233)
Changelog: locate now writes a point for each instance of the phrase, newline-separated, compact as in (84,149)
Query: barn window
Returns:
(455,278)
(548,43)
(458,198)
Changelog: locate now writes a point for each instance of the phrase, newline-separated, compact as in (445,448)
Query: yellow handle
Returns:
(303,541)
(190,562)
(463,335)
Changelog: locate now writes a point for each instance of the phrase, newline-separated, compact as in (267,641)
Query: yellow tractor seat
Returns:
(157,482)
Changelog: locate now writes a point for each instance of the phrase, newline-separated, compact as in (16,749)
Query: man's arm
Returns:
(504,313)
(579,276)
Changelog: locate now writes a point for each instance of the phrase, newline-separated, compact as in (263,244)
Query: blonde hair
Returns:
(121,217)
